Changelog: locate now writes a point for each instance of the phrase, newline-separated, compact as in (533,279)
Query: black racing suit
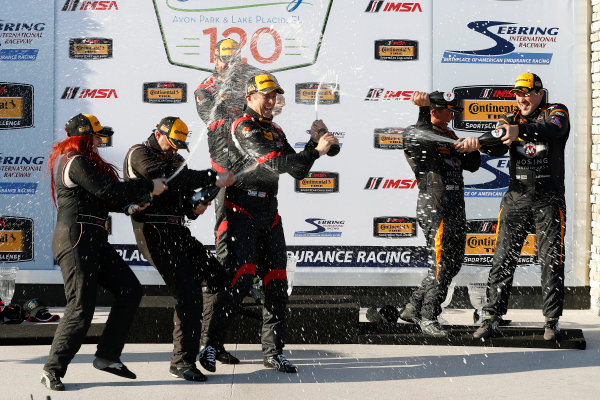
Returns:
(255,243)
(535,200)
(438,168)
(182,261)
(80,246)
(219,101)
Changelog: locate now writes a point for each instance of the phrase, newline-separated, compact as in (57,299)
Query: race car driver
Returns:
(220,99)
(536,135)
(255,245)
(438,168)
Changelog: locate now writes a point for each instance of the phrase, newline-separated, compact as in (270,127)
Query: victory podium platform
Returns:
(312,319)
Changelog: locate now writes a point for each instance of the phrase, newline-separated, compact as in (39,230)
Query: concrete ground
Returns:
(335,371)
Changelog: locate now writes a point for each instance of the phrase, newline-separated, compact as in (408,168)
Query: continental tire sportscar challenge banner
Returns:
(354,64)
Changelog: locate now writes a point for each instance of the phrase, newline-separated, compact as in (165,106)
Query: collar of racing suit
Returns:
(257,116)
(445,131)
(152,143)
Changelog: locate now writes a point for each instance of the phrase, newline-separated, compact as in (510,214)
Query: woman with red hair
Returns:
(84,189)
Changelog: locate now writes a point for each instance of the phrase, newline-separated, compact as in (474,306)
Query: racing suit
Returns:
(438,168)
(535,198)
(219,101)
(255,243)
(80,246)
(182,261)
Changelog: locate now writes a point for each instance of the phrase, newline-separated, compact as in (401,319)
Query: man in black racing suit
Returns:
(220,99)
(182,261)
(438,167)
(536,137)
(255,245)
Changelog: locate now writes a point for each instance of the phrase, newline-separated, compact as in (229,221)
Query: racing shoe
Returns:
(51,381)
(410,314)
(551,330)
(280,363)
(431,327)
(189,373)
(488,328)
(207,358)
(113,367)
(225,357)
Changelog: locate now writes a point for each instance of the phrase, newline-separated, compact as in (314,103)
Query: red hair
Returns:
(83,144)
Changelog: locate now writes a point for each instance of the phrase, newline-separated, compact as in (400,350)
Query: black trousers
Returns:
(184,263)
(445,233)
(87,260)
(254,245)
(520,215)
(213,292)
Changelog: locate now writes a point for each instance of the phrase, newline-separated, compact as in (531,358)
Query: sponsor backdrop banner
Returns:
(26,132)
(352,220)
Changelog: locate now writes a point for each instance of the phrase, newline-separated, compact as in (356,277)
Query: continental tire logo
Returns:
(90,48)
(165,92)
(16,105)
(328,93)
(388,138)
(396,50)
(483,106)
(319,182)
(481,244)
(16,239)
(106,142)
(394,227)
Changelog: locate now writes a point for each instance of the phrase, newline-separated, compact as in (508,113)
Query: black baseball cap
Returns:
(82,124)
(175,130)
(439,100)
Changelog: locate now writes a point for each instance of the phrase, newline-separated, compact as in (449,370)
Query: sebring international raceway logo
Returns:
(273,35)
(513,44)
(323,228)
(497,185)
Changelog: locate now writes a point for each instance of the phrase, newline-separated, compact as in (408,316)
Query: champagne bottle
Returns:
(492,138)
(136,205)
(204,195)
(334,149)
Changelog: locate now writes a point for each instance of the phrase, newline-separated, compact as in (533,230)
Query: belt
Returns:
(163,219)
(91,219)
(251,193)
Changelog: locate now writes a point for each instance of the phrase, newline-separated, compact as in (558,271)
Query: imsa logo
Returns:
(319,182)
(394,227)
(376,94)
(375,6)
(396,50)
(389,138)
(16,239)
(165,92)
(374,183)
(74,5)
(328,93)
(90,48)
(71,93)
(16,105)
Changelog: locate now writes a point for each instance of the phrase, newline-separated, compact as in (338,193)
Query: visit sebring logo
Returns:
(509,39)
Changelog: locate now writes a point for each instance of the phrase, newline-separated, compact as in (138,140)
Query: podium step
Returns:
(462,335)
